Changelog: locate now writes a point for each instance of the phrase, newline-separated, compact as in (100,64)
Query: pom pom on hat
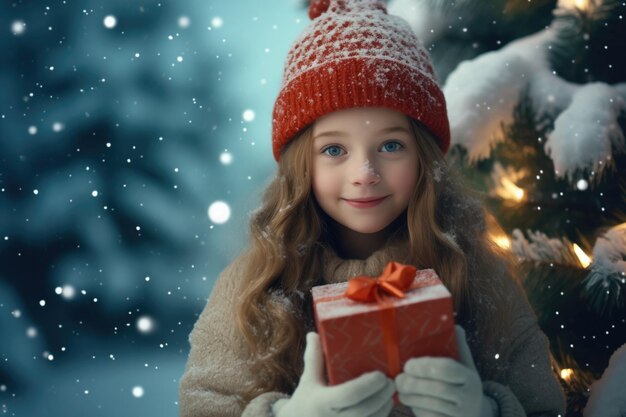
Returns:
(353,54)
(317,7)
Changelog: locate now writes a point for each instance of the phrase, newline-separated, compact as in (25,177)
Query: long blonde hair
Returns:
(443,226)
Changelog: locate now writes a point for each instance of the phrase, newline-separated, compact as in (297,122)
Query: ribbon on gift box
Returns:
(394,281)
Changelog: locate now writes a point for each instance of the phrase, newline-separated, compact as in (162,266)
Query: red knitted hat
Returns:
(353,54)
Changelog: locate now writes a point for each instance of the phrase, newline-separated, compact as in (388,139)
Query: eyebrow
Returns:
(386,130)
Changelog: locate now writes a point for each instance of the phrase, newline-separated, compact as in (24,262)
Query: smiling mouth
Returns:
(365,202)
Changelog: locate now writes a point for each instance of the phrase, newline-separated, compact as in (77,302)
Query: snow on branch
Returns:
(543,249)
(587,132)
(609,251)
(606,282)
(482,93)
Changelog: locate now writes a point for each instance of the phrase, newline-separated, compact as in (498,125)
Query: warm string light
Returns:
(583,258)
(509,190)
(501,240)
(582,5)
(496,234)
(567,374)
(575,377)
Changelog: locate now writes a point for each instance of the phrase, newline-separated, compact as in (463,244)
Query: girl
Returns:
(360,130)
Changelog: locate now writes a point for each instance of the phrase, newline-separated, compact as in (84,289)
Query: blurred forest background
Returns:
(135,140)
(121,124)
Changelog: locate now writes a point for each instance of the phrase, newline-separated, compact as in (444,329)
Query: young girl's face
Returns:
(364,166)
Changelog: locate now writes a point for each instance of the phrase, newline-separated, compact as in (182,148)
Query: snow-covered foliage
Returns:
(606,282)
(586,134)
(538,247)
(609,251)
(479,104)
(482,92)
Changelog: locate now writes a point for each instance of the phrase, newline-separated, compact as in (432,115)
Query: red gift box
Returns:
(387,326)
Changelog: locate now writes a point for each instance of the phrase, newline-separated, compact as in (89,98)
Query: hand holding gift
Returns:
(369,395)
(437,387)
(379,323)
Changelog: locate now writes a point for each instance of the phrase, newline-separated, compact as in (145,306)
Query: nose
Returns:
(365,173)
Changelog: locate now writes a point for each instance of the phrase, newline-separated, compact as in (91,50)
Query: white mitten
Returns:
(369,395)
(443,387)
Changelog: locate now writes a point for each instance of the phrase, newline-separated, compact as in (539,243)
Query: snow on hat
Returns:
(353,54)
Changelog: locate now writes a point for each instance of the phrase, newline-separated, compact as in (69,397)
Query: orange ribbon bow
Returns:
(395,280)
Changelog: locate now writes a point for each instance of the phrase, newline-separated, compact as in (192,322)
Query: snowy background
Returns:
(134,142)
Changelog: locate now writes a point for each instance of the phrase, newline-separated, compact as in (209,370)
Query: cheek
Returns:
(324,183)
(403,179)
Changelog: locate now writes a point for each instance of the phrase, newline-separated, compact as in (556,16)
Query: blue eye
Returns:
(333,151)
(392,146)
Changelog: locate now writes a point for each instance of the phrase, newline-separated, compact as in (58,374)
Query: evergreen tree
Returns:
(536,94)
(110,143)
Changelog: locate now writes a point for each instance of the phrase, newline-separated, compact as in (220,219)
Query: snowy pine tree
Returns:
(536,94)
(115,141)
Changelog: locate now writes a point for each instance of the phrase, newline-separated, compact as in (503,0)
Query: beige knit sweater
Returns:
(518,378)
